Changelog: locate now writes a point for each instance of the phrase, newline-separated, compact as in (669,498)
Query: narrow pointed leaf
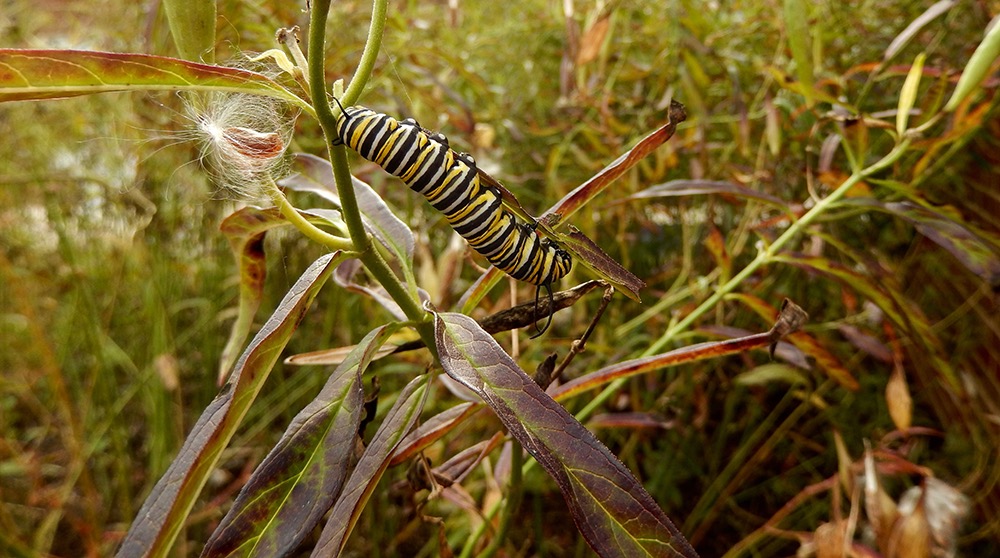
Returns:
(586,192)
(978,67)
(27,75)
(166,508)
(302,476)
(908,95)
(694,187)
(796,14)
(929,15)
(897,308)
(791,315)
(432,430)
(611,509)
(976,251)
(373,463)
(590,254)
(192,25)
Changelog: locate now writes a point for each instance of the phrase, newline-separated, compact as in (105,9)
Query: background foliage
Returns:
(116,289)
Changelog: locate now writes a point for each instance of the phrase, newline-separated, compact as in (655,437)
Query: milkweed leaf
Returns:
(31,75)
(611,509)
(301,477)
(163,513)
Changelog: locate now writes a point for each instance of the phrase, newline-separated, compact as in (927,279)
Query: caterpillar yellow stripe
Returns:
(450,182)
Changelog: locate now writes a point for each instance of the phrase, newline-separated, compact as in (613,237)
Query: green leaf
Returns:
(908,95)
(769,373)
(301,477)
(929,15)
(30,75)
(373,463)
(796,14)
(166,509)
(192,24)
(611,509)
(979,65)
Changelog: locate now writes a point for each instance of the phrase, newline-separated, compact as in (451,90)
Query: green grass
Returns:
(117,290)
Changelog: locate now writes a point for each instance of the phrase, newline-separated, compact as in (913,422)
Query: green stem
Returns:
(368,255)
(363,73)
(765,256)
(304,226)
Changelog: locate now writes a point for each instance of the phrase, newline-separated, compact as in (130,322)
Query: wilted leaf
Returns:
(790,316)
(301,477)
(593,38)
(910,536)
(897,397)
(55,74)
(245,231)
(586,192)
(369,469)
(163,513)
(808,344)
(614,513)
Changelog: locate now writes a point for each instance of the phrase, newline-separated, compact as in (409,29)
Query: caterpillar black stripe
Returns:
(450,181)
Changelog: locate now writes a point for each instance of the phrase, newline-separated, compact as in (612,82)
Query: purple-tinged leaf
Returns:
(316,176)
(301,477)
(432,430)
(591,255)
(784,350)
(458,466)
(973,249)
(163,514)
(611,508)
(369,469)
(695,187)
(28,75)
(586,192)
(790,319)
(867,343)
(881,292)
(344,276)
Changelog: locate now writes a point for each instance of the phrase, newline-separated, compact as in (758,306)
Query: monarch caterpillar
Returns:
(451,183)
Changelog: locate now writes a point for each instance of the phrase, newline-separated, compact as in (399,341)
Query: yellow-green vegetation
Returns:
(840,155)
